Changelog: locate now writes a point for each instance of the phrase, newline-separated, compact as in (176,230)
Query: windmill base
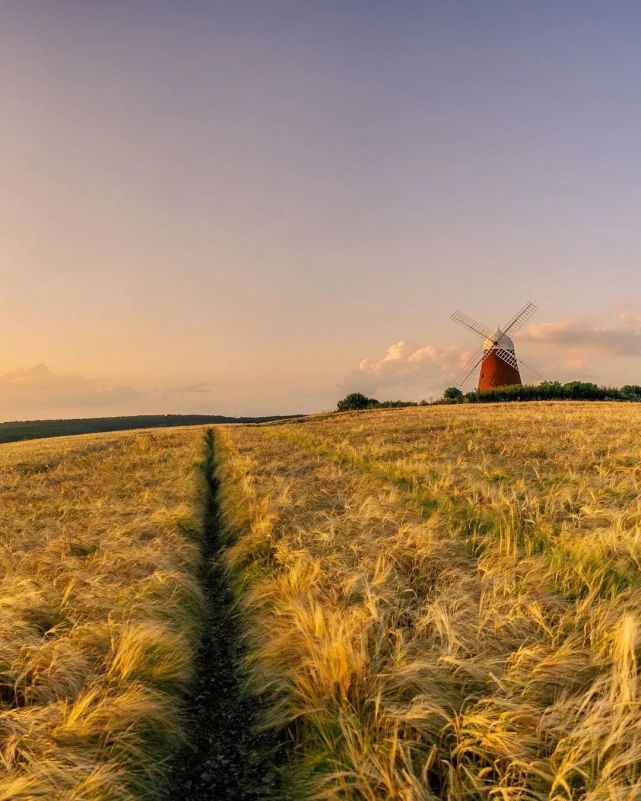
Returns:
(497,373)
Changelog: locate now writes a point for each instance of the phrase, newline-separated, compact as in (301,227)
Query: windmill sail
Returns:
(507,356)
(471,324)
(538,378)
(499,365)
(471,366)
(520,318)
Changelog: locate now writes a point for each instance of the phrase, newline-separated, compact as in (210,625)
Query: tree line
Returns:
(548,390)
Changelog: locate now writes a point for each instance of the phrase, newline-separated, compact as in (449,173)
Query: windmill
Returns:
(499,366)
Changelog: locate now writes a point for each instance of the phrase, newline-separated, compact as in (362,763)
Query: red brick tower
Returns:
(495,370)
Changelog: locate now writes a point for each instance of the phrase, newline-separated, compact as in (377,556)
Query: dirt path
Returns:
(226,758)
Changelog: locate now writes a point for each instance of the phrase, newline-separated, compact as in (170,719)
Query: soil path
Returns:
(227,759)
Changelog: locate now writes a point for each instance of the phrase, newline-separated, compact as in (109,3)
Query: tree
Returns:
(355,400)
(452,393)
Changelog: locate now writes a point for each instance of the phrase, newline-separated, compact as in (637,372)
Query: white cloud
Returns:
(420,367)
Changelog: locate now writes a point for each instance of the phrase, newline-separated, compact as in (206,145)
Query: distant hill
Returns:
(35,429)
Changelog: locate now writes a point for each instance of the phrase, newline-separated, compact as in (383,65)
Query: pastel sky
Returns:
(252,207)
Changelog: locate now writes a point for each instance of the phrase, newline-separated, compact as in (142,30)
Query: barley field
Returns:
(444,602)
(404,604)
(100,609)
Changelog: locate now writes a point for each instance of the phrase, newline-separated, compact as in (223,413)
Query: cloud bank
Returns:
(34,388)
(562,350)
(623,340)
(37,392)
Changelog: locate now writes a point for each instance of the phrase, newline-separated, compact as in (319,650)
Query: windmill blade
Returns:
(469,322)
(520,318)
(471,366)
(511,359)
(534,372)
(507,356)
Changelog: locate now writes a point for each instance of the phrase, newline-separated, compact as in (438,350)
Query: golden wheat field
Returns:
(432,603)
(444,602)
(99,611)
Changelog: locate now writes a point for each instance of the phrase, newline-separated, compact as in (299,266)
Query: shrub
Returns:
(631,391)
(356,400)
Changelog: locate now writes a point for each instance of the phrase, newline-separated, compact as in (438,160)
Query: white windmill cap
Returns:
(499,340)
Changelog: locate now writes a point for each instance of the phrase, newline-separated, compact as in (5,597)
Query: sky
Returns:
(253,207)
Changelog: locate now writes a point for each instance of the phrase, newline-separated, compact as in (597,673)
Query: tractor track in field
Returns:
(227,758)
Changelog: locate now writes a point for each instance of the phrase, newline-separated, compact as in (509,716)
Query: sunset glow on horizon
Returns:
(255,207)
